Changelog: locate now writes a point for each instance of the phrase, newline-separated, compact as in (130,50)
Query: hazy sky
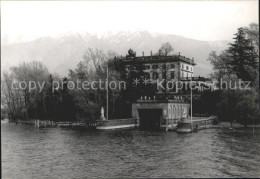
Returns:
(202,20)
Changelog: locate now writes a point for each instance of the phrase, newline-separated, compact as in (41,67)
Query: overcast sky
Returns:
(201,20)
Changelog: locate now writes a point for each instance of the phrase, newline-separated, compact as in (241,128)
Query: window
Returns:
(182,66)
(155,67)
(187,67)
(190,68)
(147,75)
(172,66)
(163,76)
(170,85)
(182,74)
(147,67)
(155,76)
(172,75)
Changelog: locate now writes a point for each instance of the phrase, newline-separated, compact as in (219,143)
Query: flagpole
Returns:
(191,99)
(107,92)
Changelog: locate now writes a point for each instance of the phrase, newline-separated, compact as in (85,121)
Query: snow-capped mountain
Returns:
(65,51)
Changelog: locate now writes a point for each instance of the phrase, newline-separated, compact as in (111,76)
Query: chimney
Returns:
(143,53)
(151,53)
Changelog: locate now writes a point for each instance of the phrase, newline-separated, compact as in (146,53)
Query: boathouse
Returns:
(153,114)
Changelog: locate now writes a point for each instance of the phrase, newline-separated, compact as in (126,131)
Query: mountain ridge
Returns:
(64,52)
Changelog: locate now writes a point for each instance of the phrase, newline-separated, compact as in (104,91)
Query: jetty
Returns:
(129,123)
(53,124)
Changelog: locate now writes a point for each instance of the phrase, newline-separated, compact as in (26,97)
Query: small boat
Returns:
(186,126)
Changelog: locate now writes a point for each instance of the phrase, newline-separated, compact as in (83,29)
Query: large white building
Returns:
(174,67)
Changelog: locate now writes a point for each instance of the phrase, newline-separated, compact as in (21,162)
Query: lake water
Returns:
(29,152)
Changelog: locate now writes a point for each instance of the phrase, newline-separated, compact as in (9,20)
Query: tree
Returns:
(239,105)
(253,34)
(32,71)
(240,61)
(222,70)
(131,54)
(248,107)
(93,67)
(10,99)
(165,49)
(242,56)
(94,59)
(220,64)
(164,69)
(24,103)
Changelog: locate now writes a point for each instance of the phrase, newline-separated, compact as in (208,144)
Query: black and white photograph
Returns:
(130,89)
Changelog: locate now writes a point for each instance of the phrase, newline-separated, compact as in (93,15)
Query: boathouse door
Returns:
(150,119)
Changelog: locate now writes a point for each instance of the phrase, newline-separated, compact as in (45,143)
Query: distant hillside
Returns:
(64,52)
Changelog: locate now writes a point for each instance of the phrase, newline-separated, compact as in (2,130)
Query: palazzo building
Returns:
(174,67)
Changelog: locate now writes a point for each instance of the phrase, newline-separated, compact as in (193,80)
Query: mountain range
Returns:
(59,54)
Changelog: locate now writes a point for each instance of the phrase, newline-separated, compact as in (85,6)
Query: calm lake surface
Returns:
(29,152)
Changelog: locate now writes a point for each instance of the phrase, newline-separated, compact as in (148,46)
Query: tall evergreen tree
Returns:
(243,56)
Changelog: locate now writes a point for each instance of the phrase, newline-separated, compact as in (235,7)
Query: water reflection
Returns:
(29,152)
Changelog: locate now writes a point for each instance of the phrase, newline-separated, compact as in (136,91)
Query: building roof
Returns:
(199,78)
(158,59)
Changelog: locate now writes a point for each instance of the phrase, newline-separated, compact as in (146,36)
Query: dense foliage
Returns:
(59,102)
(240,62)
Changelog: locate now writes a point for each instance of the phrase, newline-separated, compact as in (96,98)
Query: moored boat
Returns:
(187,125)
